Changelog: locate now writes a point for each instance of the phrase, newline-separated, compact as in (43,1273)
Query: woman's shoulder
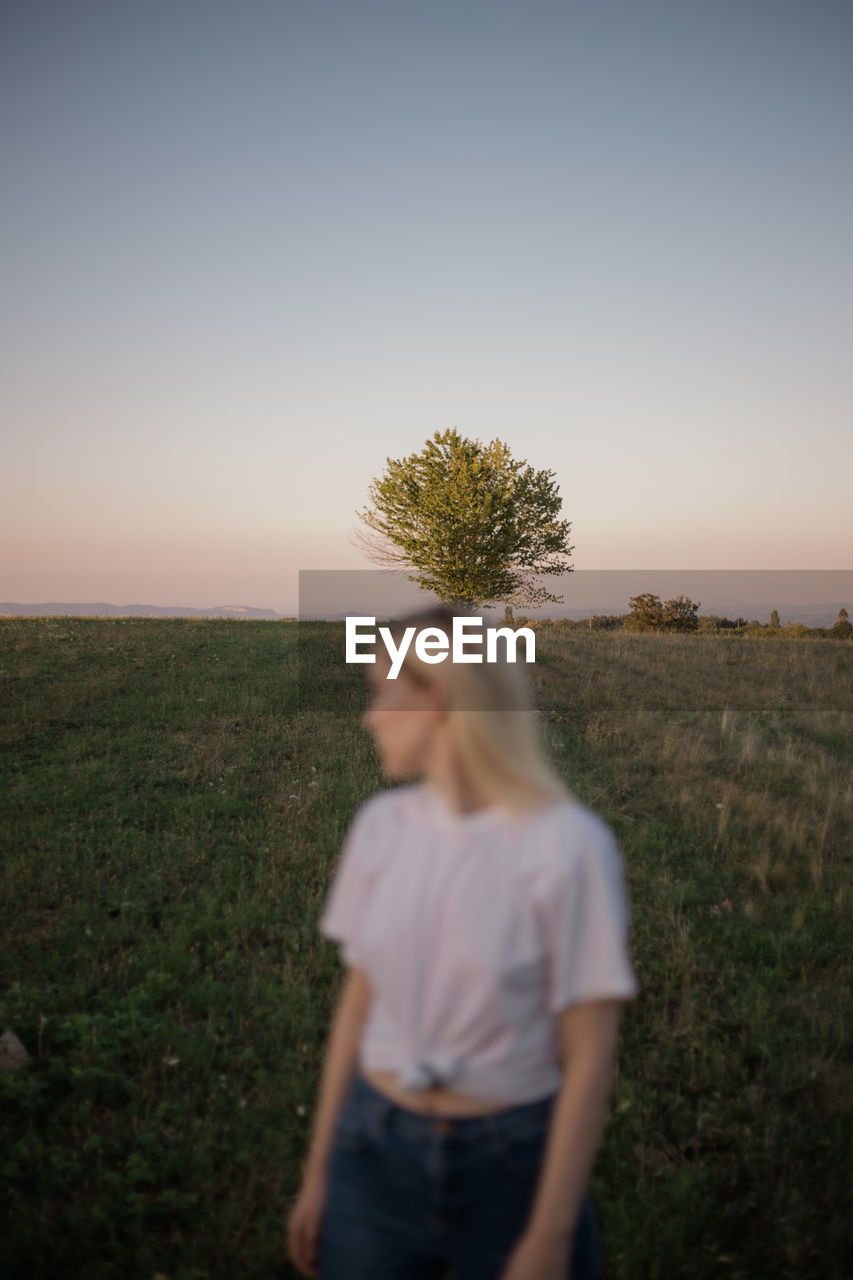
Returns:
(569,814)
(585,823)
(387,808)
(569,835)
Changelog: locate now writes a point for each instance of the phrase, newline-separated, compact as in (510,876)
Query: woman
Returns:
(484,925)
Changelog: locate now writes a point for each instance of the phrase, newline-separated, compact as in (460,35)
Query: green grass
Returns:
(173,802)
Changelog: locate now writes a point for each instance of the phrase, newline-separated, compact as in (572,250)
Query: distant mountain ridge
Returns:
(56,609)
(812,615)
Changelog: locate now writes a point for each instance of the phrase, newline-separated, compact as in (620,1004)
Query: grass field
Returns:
(171,815)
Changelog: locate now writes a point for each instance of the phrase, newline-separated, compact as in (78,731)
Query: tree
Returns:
(646,613)
(774,619)
(476,525)
(680,614)
(842,628)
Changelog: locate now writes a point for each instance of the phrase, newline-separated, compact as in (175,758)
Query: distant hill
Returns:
(101,610)
(813,615)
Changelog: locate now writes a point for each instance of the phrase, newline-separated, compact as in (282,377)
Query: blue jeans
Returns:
(410,1196)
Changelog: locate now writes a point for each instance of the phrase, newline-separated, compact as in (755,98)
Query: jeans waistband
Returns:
(516,1120)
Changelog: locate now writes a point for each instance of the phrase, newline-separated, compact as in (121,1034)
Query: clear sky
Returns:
(252,250)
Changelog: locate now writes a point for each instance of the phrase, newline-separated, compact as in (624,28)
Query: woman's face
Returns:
(402,720)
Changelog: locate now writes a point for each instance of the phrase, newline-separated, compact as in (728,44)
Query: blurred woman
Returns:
(483,922)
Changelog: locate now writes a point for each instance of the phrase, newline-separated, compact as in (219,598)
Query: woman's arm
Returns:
(341,1056)
(589,1033)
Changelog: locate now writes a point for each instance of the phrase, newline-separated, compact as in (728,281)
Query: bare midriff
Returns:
(433,1101)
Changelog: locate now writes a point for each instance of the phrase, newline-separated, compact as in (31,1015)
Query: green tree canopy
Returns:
(649,614)
(842,628)
(680,614)
(646,613)
(476,525)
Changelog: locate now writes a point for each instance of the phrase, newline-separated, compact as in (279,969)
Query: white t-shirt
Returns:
(475,930)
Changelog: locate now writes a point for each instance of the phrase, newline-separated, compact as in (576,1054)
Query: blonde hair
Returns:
(492,722)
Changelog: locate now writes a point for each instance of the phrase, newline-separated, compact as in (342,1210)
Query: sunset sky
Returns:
(252,250)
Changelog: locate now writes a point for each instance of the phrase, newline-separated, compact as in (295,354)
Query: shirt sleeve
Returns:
(345,901)
(587,920)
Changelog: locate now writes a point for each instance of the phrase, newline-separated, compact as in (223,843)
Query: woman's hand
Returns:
(303,1225)
(539,1257)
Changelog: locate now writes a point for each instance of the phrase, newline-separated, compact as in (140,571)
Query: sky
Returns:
(253,250)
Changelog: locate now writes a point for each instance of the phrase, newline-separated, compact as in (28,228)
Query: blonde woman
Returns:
(483,922)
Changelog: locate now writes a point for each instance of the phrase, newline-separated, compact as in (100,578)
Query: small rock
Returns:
(12,1052)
